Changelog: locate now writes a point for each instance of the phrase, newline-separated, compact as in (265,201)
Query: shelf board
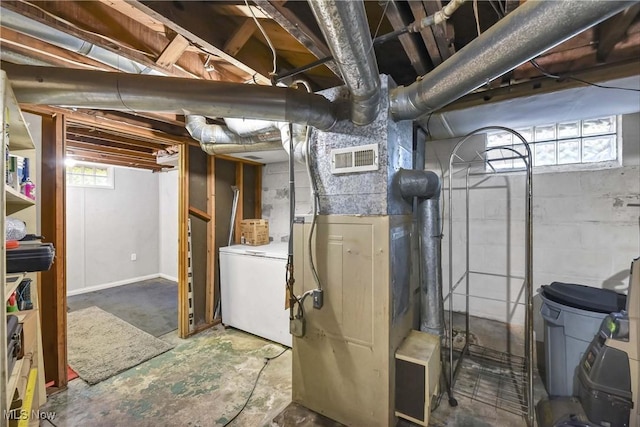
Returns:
(12,285)
(14,197)
(19,135)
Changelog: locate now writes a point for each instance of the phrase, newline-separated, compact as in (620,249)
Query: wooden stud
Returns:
(183,216)
(240,37)
(240,206)
(53,297)
(173,51)
(212,256)
(199,213)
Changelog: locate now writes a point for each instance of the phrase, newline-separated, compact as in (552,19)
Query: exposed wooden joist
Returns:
(40,15)
(120,128)
(445,47)
(47,52)
(614,30)
(98,153)
(298,30)
(102,138)
(542,85)
(173,51)
(240,37)
(411,46)
(171,17)
(112,160)
(76,144)
(427,34)
(169,123)
(511,5)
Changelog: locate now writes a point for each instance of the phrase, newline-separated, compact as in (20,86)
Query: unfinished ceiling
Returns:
(219,40)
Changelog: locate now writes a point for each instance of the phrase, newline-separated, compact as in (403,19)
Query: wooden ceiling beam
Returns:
(76,144)
(173,51)
(47,52)
(443,41)
(40,15)
(99,136)
(81,152)
(613,30)
(200,35)
(102,123)
(240,37)
(411,46)
(419,13)
(298,30)
(108,160)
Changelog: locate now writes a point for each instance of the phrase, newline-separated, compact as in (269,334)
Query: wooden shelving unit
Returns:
(13,384)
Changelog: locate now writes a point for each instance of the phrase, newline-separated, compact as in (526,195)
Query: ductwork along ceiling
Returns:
(182,65)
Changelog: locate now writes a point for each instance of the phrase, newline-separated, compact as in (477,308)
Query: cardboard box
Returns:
(254,232)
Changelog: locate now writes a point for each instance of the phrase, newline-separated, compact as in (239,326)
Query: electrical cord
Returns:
(264,34)
(554,76)
(50,422)
(266,362)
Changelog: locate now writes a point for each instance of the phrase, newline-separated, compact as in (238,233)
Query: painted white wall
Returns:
(168,223)
(586,229)
(275,197)
(106,226)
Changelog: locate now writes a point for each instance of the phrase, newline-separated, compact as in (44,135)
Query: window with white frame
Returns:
(89,175)
(573,142)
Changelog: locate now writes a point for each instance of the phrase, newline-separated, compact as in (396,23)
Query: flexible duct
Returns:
(132,92)
(531,29)
(215,139)
(425,185)
(346,30)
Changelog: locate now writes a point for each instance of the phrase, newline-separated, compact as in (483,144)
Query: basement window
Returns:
(591,142)
(89,175)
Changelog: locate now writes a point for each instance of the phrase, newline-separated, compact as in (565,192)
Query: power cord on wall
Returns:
(266,362)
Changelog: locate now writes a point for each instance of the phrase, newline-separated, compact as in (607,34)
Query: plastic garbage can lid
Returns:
(585,297)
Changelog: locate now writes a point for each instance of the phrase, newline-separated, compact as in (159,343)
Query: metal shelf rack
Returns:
(500,379)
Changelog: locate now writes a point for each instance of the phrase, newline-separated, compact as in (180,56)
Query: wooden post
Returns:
(183,216)
(53,296)
(258,189)
(240,207)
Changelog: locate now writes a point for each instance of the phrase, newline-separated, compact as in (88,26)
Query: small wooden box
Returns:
(254,232)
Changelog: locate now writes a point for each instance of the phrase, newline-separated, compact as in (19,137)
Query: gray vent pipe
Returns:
(346,30)
(133,92)
(425,185)
(533,28)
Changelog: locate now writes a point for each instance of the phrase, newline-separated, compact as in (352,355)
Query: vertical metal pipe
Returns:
(345,27)
(431,309)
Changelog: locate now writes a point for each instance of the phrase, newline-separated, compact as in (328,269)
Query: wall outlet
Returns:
(134,257)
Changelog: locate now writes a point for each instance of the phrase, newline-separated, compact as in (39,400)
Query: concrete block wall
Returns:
(586,229)
(275,197)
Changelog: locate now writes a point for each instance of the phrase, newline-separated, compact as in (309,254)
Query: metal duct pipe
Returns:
(346,29)
(215,139)
(425,185)
(132,92)
(22,24)
(533,28)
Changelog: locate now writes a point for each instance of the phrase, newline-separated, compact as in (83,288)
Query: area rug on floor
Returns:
(101,345)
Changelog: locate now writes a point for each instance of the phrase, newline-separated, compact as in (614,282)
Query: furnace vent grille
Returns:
(354,159)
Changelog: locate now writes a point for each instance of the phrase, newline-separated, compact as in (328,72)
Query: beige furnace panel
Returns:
(343,366)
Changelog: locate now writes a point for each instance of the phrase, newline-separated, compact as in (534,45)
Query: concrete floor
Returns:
(206,379)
